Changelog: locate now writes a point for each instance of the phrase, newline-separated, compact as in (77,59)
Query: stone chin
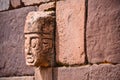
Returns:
(42,61)
(32,62)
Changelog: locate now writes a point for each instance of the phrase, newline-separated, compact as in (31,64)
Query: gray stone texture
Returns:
(93,72)
(18,78)
(71,73)
(12,59)
(103,31)
(104,72)
(4,5)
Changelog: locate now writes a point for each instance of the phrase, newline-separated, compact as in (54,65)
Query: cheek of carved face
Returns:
(47,45)
(35,49)
(32,50)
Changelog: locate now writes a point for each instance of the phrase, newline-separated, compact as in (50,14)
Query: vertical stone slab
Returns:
(70,32)
(4,5)
(12,59)
(103,31)
(43,73)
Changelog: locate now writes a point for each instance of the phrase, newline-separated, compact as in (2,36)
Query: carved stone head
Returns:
(38,34)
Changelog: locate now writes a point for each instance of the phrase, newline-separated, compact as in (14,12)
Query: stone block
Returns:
(71,73)
(47,6)
(70,32)
(88,72)
(15,3)
(32,2)
(12,59)
(18,78)
(4,5)
(103,31)
(104,72)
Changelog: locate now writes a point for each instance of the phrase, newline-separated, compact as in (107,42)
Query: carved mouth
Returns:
(30,59)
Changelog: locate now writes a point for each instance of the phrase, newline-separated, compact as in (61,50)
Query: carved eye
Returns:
(33,43)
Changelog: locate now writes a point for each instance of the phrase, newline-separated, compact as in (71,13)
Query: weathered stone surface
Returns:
(4,5)
(104,72)
(12,59)
(70,32)
(103,31)
(47,6)
(18,78)
(32,2)
(43,73)
(71,73)
(39,48)
(15,3)
(93,72)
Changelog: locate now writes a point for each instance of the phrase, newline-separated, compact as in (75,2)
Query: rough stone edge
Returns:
(18,78)
(90,72)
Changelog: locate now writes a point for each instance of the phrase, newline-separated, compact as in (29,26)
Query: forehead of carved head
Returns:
(35,21)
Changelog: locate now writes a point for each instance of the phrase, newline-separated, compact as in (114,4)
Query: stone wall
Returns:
(12,20)
(87,39)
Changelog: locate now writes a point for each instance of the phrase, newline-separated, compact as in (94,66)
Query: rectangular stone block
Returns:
(32,2)
(104,72)
(47,6)
(88,72)
(4,5)
(15,3)
(18,78)
(12,59)
(71,73)
(70,32)
(103,31)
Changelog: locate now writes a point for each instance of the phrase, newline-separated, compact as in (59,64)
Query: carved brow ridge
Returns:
(34,33)
(37,33)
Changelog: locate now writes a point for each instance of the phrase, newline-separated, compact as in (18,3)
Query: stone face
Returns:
(18,78)
(38,47)
(32,2)
(71,73)
(4,5)
(12,59)
(104,72)
(70,32)
(47,6)
(15,3)
(103,31)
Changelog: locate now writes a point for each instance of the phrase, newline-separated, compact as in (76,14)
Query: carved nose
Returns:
(28,51)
